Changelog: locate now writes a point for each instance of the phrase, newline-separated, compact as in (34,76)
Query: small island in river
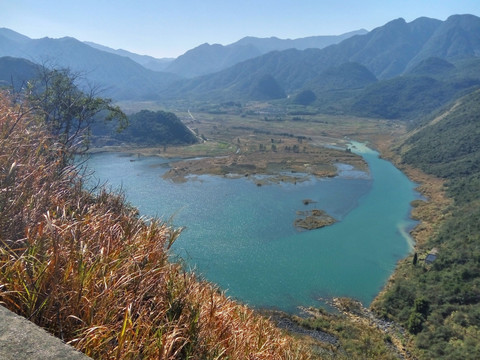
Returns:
(313,219)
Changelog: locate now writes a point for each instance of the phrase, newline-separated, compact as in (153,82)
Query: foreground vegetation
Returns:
(92,272)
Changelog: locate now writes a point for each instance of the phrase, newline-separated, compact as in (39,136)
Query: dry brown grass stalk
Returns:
(94,273)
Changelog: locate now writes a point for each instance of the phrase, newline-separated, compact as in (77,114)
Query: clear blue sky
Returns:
(168,28)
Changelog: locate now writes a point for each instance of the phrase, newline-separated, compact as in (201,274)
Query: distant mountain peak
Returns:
(206,58)
(146,61)
(13,36)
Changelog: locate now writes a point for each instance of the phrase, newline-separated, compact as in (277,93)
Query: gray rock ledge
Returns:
(22,339)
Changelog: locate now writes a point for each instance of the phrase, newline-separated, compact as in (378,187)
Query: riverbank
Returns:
(352,332)
(431,212)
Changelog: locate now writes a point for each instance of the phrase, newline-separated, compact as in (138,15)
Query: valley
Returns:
(273,172)
(323,149)
(227,148)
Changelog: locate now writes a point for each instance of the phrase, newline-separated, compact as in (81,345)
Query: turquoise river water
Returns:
(241,236)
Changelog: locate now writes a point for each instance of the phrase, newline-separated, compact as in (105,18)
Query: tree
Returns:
(421,306)
(67,111)
(415,323)
(306,97)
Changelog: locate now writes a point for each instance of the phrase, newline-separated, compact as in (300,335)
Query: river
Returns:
(241,236)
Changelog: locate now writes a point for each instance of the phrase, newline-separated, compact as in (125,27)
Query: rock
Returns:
(22,339)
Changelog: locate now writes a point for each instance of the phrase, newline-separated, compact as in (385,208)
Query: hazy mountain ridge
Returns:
(206,58)
(149,62)
(117,76)
(16,72)
(266,45)
(232,82)
(458,37)
(425,88)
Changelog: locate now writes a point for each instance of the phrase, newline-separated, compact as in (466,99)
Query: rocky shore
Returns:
(284,322)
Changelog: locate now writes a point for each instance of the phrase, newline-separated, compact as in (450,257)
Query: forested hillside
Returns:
(156,128)
(438,299)
(145,128)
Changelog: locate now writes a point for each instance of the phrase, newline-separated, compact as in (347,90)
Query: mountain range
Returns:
(206,58)
(125,75)
(117,76)
(369,73)
(387,51)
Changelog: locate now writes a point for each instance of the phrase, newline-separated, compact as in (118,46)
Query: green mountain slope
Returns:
(457,38)
(402,97)
(345,76)
(440,303)
(432,66)
(451,147)
(16,72)
(145,128)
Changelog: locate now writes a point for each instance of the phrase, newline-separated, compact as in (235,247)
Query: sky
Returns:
(168,28)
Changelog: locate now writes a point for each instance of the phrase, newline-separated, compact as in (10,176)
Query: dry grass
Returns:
(92,272)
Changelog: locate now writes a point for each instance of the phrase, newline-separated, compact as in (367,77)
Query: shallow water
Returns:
(242,237)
